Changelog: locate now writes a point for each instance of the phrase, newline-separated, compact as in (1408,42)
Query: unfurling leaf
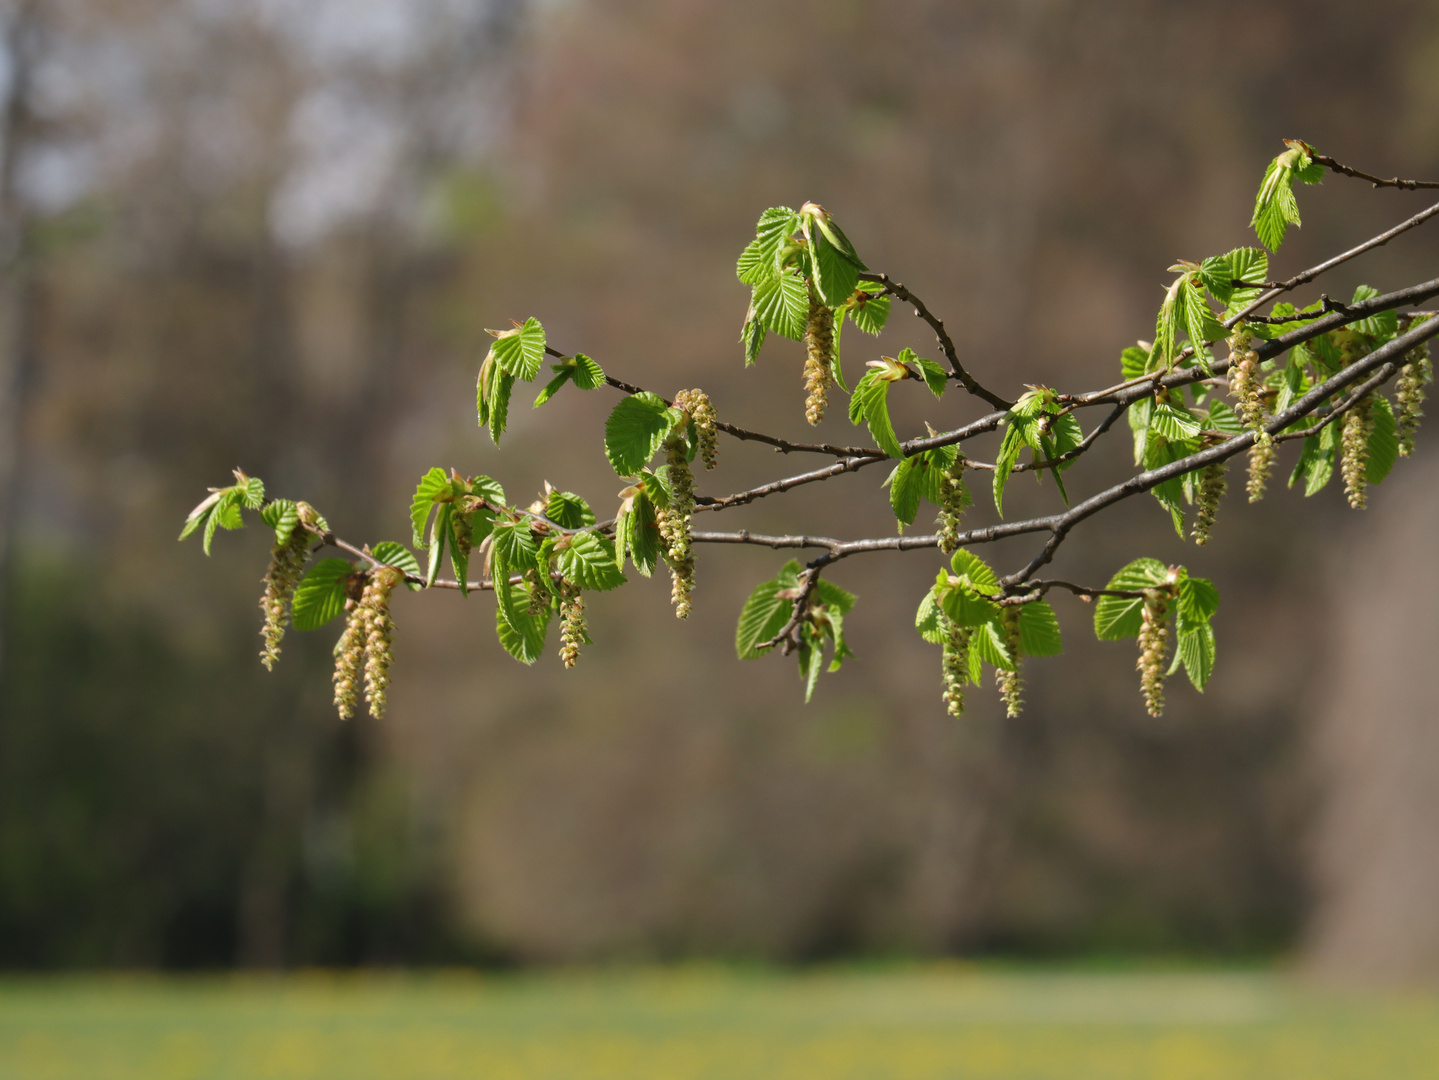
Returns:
(519,351)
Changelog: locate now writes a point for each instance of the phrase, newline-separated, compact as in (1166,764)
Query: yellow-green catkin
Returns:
(954,497)
(1010,683)
(349,660)
(1358,426)
(696,405)
(674,523)
(1153,649)
(1261,464)
(1212,486)
(955,665)
(539,594)
(1246,382)
(1409,391)
(379,636)
(287,567)
(818,357)
(572,623)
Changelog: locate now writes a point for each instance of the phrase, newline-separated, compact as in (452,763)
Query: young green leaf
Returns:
(964,606)
(811,662)
(867,311)
(1166,329)
(513,547)
(250,491)
(1160,451)
(393,553)
(1196,651)
(760,259)
(589,562)
(870,402)
(579,369)
(520,351)
(1383,439)
(926,620)
(833,597)
(782,305)
(752,337)
(1039,629)
(1379,327)
(988,644)
(1199,323)
(201,514)
(321,596)
(1198,601)
(1316,461)
(282,515)
(439,536)
(1174,421)
(1118,617)
(907,483)
(1133,362)
(637,533)
(432,487)
(635,430)
(568,510)
(835,276)
(765,612)
(1275,207)
(521,633)
(933,374)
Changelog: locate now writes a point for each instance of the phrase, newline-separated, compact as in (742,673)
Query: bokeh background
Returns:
(270,233)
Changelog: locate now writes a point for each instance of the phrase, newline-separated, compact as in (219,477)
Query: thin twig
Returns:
(945,341)
(1313,272)
(1394,181)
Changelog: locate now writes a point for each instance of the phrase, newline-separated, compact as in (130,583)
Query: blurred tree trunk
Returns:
(1376,848)
(23,31)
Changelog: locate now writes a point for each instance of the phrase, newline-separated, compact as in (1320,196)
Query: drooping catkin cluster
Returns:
(1153,647)
(955,664)
(539,595)
(1010,683)
(674,523)
(696,405)
(1261,464)
(1212,486)
(954,496)
(379,636)
(1354,451)
(1414,376)
(1245,379)
(349,661)
(572,623)
(818,357)
(287,567)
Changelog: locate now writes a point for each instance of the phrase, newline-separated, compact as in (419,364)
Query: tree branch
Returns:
(1060,524)
(1394,181)
(945,341)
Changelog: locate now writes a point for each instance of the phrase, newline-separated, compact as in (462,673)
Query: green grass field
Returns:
(720,1023)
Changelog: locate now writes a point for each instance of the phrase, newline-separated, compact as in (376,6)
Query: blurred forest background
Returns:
(269,233)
